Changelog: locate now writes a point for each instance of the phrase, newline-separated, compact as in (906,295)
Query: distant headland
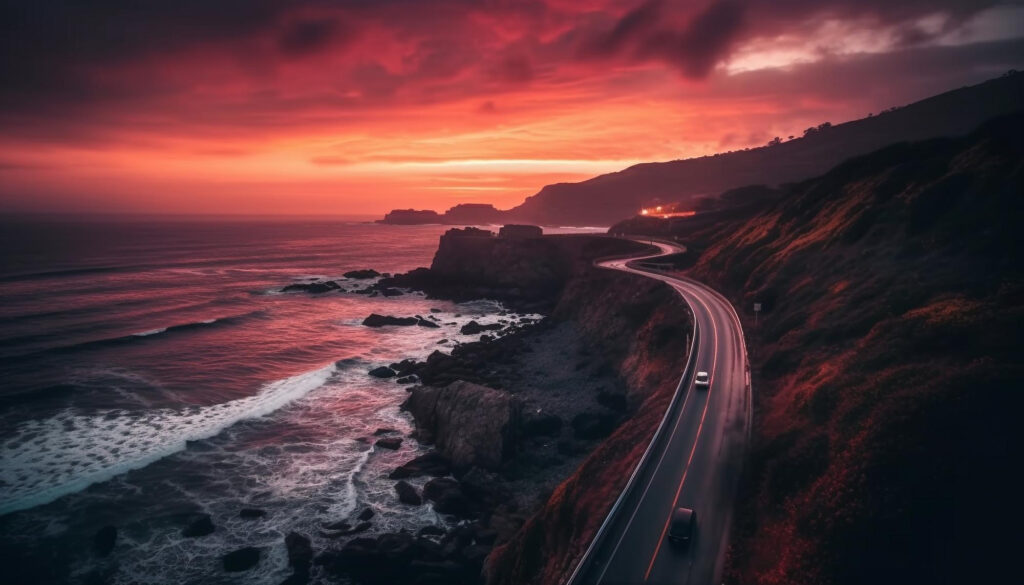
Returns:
(463,213)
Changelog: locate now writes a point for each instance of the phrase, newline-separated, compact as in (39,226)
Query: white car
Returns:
(703,380)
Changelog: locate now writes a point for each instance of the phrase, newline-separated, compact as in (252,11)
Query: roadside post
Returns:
(757,309)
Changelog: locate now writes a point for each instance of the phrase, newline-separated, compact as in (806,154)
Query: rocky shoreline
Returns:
(508,418)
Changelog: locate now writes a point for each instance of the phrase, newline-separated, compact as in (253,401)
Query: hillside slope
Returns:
(608,198)
(887,366)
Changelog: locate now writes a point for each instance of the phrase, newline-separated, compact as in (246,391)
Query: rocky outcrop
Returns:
(454,559)
(312,287)
(364,274)
(474,328)
(430,463)
(375,320)
(471,425)
(463,213)
(392,443)
(407,493)
(382,372)
(242,559)
(300,557)
(411,217)
(202,525)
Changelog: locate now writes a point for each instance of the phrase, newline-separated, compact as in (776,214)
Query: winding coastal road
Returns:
(694,463)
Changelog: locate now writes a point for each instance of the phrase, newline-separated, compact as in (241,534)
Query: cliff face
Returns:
(608,198)
(638,328)
(527,273)
(643,329)
(887,365)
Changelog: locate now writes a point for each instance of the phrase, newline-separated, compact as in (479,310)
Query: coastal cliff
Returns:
(886,365)
(633,330)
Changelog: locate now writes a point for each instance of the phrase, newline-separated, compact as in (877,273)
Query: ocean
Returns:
(152,369)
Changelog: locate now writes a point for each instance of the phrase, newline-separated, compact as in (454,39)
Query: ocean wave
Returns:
(49,458)
(138,336)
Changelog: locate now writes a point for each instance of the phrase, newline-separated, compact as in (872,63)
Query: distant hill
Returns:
(608,198)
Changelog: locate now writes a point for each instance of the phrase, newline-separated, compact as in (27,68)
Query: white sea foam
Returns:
(150,332)
(48,458)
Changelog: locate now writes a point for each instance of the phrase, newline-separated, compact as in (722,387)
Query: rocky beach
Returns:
(514,423)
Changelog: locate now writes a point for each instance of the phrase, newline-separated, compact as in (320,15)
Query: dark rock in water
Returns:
(312,287)
(251,513)
(432,310)
(428,324)
(300,558)
(404,367)
(104,540)
(407,494)
(363,291)
(443,342)
(407,380)
(362,274)
(242,559)
(385,431)
(373,294)
(375,320)
(382,372)
(472,328)
(345,529)
(541,423)
(431,463)
(446,493)
(431,531)
(389,443)
(300,550)
(391,292)
(366,514)
(485,338)
(201,526)
(589,425)
(339,525)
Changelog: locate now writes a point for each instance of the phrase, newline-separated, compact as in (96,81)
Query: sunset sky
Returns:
(361,106)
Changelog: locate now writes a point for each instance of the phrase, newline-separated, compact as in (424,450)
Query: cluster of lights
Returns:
(664,213)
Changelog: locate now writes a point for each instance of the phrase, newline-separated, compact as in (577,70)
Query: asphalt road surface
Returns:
(697,464)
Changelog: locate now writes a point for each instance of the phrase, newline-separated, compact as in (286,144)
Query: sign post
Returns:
(757,309)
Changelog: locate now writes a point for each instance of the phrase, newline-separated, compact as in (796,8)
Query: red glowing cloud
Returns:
(267,106)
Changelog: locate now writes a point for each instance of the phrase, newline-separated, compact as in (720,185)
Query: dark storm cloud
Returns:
(696,49)
(695,41)
(66,63)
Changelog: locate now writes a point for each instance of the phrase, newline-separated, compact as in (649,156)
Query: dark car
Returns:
(680,528)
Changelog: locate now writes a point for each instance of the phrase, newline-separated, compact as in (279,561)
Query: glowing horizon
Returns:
(309,108)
